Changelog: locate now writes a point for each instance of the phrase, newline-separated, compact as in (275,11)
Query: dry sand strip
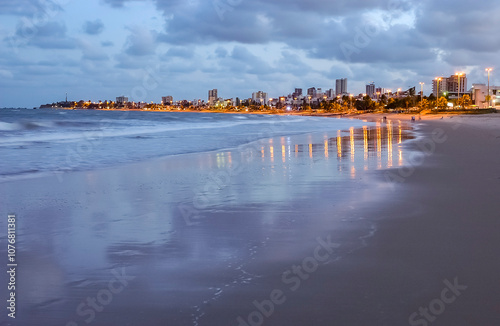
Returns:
(440,230)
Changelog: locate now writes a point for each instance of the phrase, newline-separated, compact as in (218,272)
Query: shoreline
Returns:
(408,115)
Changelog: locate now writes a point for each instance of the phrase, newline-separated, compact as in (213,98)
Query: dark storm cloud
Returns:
(94,27)
(48,36)
(116,3)
(291,63)
(260,21)
(141,42)
(474,29)
(322,26)
(164,4)
(37,8)
(181,52)
(241,59)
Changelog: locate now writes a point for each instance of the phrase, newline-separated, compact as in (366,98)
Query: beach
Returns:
(363,226)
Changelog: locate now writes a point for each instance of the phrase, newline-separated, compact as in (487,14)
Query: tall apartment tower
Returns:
(260,97)
(455,84)
(370,90)
(167,100)
(212,96)
(297,92)
(312,92)
(341,86)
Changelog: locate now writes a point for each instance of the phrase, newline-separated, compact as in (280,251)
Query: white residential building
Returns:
(480,91)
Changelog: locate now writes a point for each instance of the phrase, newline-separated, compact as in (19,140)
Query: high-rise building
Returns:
(453,85)
(457,83)
(312,92)
(121,99)
(297,93)
(167,100)
(341,86)
(212,96)
(260,98)
(439,86)
(370,90)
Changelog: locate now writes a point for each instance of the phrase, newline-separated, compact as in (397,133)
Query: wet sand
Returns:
(362,229)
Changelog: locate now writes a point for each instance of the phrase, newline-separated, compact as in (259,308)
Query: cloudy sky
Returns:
(145,49)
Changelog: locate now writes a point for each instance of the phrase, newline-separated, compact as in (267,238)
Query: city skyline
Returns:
(146,49)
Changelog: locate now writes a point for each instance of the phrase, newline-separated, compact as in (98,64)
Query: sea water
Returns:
(55,140)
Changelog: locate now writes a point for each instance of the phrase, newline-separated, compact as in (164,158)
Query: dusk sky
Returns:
(100,49)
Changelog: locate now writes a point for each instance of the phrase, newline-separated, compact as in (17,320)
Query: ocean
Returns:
(42,141)
(188,218)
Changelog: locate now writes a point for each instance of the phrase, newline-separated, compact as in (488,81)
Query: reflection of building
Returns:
(364,148)
(341,86)
(122,100)
(479,93)
(167,100)
(212,96)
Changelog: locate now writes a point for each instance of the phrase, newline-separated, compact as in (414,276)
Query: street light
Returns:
(489,97)
(438,79)
(421,91)
(459,76)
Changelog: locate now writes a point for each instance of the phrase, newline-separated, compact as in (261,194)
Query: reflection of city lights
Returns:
(326,148)
(379,147)
(400,157)
(339,144)
(296,150)
(353,172)
(400,139)
(389,145)
(352,143)
(365,143)
(283,153)
(230,159)
(263,152)
(219,160)
(271,149)
(310,150)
